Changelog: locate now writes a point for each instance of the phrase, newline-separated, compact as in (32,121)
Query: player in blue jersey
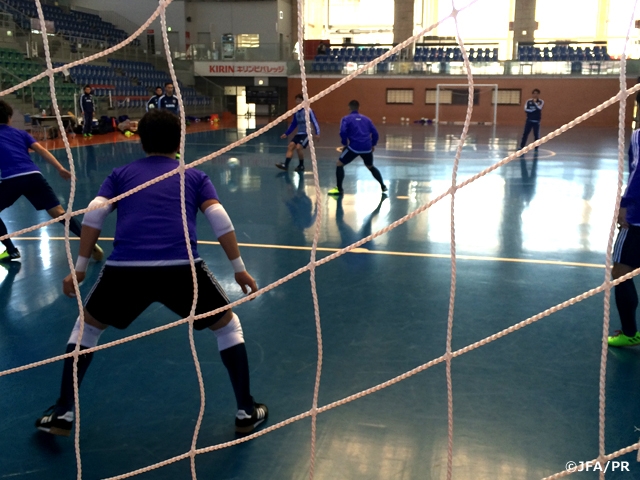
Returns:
(626,252)
(359,138)
(20,176)
(533,108)
(150,263)
(87,108)
(168,101)
(153,101)
(301,139)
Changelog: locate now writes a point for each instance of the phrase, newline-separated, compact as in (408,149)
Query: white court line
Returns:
(362,250)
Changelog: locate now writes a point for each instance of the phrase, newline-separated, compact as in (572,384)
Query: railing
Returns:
(510,68)
(266,52)
(6,21)
(76,48)
(14,12)
(15,80)
(112,17)
(215,92)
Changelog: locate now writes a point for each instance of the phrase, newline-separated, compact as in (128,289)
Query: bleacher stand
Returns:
(563,53)
(130,82)
(15,68)
(337,58)
(77,27)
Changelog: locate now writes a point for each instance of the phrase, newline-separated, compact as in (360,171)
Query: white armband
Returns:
(219,219)
(95,218)
(238,265)
(81,263)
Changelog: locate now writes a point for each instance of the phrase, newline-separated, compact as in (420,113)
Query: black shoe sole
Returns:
(249,428)
(55,431)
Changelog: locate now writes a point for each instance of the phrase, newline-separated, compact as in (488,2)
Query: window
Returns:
(400,95)
(455,96)
(432,97)
(248,40)
(507,97)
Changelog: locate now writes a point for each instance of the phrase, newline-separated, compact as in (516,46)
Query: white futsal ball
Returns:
(233,162)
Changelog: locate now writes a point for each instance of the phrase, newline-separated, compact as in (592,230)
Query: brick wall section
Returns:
(565,99)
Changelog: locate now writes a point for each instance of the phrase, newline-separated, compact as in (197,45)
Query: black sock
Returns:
(74,226)
(7,241)
(339,177)
(301,160)
(376,174)
(66,400)
(237,363)
(627,303)
(287,161)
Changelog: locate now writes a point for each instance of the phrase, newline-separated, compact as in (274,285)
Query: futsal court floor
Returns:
(530,235)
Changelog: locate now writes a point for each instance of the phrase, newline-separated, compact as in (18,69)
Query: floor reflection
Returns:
(382,315)
(350,234)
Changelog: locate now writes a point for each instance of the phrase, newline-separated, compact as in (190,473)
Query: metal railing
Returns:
(265,52)
(26,93)
(497,69)
(14,12)
(215,92)
(112,17)
(6,20)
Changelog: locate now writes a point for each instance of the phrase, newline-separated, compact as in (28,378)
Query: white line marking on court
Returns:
(362,250)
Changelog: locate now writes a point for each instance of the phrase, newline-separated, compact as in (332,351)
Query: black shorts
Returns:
(33,186)
(626,250)
(349,156)
(301,139)
(121,294)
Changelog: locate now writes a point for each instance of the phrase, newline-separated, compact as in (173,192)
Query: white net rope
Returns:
(311,267)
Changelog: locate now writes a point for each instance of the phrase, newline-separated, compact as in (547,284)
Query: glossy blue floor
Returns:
(530,235)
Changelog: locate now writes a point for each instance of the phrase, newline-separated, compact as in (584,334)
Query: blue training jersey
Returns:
(300,121)
(358,133)
(169,103)
(14,153)
(533,109)
(86,103)
(149,225)
(631,197)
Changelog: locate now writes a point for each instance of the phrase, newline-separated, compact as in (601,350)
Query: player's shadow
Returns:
(518,194)
(348,235)
(13,268)
(298,203)
(91,163)
(528,186)
(45,442)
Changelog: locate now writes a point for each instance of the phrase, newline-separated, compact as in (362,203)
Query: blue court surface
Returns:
(530,235)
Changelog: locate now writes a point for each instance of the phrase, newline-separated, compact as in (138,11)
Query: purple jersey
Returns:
(358,133)
(14,153)
(149,226)
(631,197)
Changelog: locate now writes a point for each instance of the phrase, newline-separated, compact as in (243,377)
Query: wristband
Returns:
(81,263)
(238,265)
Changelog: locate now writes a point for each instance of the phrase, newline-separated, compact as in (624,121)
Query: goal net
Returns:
(451,100)
(463,111)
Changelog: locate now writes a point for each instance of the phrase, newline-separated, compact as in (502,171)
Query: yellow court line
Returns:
(373,252)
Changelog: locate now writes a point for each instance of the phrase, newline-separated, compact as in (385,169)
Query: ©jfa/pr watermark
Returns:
(595,466)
